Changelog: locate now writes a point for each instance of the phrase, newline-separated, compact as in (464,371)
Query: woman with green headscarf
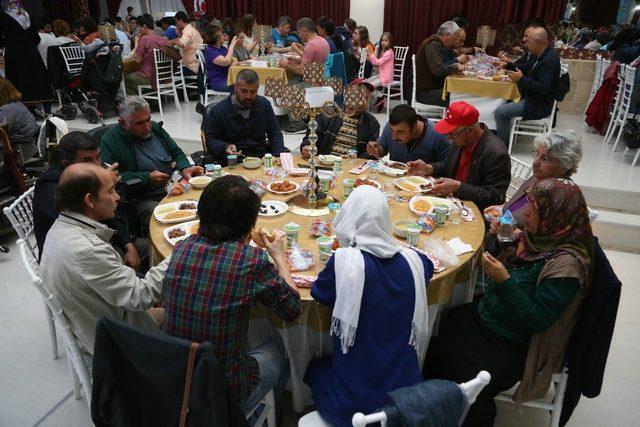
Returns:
(519,329)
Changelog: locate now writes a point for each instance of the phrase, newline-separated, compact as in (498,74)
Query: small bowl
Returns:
(200,182)
(400,227)
(251,163)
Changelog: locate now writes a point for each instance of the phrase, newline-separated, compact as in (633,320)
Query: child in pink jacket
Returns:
(384,61)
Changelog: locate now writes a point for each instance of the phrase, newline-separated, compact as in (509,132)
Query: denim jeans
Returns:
(274,373)
(503,115)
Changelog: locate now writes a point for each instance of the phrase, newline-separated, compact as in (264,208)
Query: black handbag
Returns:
(631,133)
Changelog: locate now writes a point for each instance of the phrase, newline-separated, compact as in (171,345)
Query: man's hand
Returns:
(446,186)
(463,59)
(515,76)
(461,67)
(494,268)
(284,63)
(502,56)
(158,178)
(115,175)
(375,149)
(232,149)
(297,48)
(477,49)
(277,248)
(419,167)
(192,171)
(131,257)
(305,152)
(518,50)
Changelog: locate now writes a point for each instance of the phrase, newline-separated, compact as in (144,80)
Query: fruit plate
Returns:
(269,208)
(416,201)
(183,231)
(168,212)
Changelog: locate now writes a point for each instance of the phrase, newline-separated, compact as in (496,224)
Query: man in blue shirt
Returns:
(409,137)
(281,35)
(168,28)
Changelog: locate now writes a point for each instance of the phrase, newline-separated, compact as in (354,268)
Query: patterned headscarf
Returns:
(14,9)
(563,223)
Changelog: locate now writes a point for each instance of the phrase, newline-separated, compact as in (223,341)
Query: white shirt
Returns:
(46,40)
(124,40)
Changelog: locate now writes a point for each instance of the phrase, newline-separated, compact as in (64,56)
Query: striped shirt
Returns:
(21,124)
(210,288)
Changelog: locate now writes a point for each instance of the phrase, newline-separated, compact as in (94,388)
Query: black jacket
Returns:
(139,380)
(539,83)
(589,346)
(328,128)
(489,172)
(45,212)
(223,125)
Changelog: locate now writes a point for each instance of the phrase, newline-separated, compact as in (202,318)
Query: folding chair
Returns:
(364,54)
(165,84)
(429,111)
(205,99)
(185,82)
(400,56)
(624,112)
(617,102)
(77,367)
(520,172)
(73,59)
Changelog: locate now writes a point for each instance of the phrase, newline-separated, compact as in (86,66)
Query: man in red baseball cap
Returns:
(477,167)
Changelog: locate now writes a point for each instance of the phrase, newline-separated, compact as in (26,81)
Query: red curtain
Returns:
(596,13)
(113,6)
(411,21)
(268,11)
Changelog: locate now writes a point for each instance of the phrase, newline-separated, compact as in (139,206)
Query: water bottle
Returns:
(507,227)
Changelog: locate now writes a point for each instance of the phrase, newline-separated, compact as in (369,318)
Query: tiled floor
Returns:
(36,390)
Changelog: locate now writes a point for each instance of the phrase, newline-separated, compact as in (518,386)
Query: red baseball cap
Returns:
(458,114)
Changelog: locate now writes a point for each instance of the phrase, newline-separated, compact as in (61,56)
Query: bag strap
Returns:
(187,384)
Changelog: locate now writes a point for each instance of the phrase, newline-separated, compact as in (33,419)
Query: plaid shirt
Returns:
(210,288)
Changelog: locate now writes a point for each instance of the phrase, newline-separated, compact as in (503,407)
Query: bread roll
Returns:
(496,78)
(256,236)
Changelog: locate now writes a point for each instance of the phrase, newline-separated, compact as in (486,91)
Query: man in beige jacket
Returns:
(80,266)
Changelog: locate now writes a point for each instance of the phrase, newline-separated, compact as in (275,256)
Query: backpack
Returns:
(563,88)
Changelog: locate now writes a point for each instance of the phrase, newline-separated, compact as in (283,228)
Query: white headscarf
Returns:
(15,10)
(364,224)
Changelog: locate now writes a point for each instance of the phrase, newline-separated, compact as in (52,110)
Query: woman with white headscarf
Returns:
(378,291)
(24,66)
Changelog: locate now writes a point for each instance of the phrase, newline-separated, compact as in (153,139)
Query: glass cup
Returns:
(324,247)
(455,214)
(291,231)
(413,234)
(373,171)
(232,161)
(348,186)
(506,232)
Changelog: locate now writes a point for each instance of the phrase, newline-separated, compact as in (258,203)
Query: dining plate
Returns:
(416,204)
(183,231)
(296,185)
(175,212)
(413,184)
(376,183)
(272,208)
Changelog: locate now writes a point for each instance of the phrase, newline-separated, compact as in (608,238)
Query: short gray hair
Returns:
(249,77)
(449,28)
(131,105)
(564,146)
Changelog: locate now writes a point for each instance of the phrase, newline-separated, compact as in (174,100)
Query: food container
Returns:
(348,186)
(200,181)
(217,171)
(267,160)
(400,227)
(353,154)
(333,210)
(251,163)
(325,183)
(441,214)
(337,165)
(291,231)
(413,234)
(324,247)
(232,161)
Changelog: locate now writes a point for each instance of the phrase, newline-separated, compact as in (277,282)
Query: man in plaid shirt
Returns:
(213,280)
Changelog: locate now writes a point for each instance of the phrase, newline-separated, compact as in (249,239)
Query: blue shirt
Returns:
(430,147)
(278,39)
(171,33)
(381,359)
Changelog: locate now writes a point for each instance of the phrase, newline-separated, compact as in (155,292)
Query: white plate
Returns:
(433,200)
(378,185)
(327,159)
(271,206)
(200,182)
(186,227)
(412,184)
(387,168)
(297,187)
(161,210)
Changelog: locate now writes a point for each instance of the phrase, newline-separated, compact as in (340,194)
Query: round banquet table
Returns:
(308,336)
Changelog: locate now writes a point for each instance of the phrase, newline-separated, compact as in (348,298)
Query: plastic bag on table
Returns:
(299,259)
(441,250)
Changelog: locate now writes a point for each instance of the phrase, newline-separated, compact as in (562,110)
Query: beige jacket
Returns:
(90,280)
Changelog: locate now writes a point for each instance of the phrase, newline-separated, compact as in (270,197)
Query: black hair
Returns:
(129,9)
(603,37)
(209,34)
(351,24)
(89,25)
(228,209)
(40,23)
(69,194)
(306,23)
(284,20)
(145,21)
(134,18)
(329,26)
(248,76)
(182,16)
(458,19)
(74,141)
(403,113)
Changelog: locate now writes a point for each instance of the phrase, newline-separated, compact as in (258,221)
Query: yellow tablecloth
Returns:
(263,72)
(441,285)
(478,87)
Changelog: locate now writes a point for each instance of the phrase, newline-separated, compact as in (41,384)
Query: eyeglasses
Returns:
(459,131)
(542,157)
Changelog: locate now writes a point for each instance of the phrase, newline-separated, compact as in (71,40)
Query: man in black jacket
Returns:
(77,147)
(477,167)
(537,80)
(337,135)
(243,122)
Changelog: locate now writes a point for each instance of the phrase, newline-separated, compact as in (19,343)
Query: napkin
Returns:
(459,247)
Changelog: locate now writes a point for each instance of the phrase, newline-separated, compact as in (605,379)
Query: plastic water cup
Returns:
(232,161)
(348,186)
(324,247)
(291,231)
(455,214)
(413,234)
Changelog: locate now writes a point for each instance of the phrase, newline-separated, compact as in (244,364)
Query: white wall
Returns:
(369,13)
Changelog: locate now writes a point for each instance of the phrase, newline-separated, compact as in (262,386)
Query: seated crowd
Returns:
(92,213)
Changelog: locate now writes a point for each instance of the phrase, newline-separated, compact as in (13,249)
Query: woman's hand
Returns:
(277,248)
(494,268)
(494,228)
